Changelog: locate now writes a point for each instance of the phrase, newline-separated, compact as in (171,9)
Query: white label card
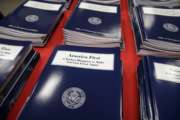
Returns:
(84,60)
(9,52)
(162,11)
(167,72)
(99,8)
(43,5)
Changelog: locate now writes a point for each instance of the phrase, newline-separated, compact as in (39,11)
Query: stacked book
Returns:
(34,20)
(159,88)
(17,59)
(78,83)
(156,26)
(94,24)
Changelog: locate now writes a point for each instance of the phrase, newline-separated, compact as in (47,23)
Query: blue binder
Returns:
(68,90)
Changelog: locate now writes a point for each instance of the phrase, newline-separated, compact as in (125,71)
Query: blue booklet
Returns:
(16,60)
(99,24)
(101,20)
(12,54)
(13,89)
(78,83)
(146,102)
(164,86)
(34,21)
(156,30)
(160,24)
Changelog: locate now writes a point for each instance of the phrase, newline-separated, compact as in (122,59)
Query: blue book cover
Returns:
(12,55)
(14,87)
(12,58)
(145,91)
(78,83)
(142,98)
(160,23)
(34,16)
(96,19)
(165,86)
(136,31)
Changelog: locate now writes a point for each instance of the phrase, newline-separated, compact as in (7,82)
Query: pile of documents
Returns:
(34,20)
(94,24)
(159,88)
(17,59)
(78,83)
(156,26)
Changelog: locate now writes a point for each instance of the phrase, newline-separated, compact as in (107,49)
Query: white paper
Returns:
(167,72)
(9,52)
(84,60)
(43,5)
(99,8)
(162,11)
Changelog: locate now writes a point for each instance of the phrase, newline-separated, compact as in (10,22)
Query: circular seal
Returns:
(170,27)
(94,20)
(32,18)
(73,98)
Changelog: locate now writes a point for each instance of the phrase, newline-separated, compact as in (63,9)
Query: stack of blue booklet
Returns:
(34,20)
(156,26)
(159,87)
(17,59)
(78,83)
(94,24)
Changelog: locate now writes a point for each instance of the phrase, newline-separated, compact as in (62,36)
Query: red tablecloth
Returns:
(128,57)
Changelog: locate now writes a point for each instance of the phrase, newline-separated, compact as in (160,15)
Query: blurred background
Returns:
(7,6)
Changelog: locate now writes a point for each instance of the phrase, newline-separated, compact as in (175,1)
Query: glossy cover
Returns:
(12,55)
(31,19)
(165,87)
(136,30)
(147,101)
(142,99)
(160,27)
(72,91)
(15,86)
(96,19)
(150,40)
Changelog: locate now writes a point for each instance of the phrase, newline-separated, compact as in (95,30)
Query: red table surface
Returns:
(128,57)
